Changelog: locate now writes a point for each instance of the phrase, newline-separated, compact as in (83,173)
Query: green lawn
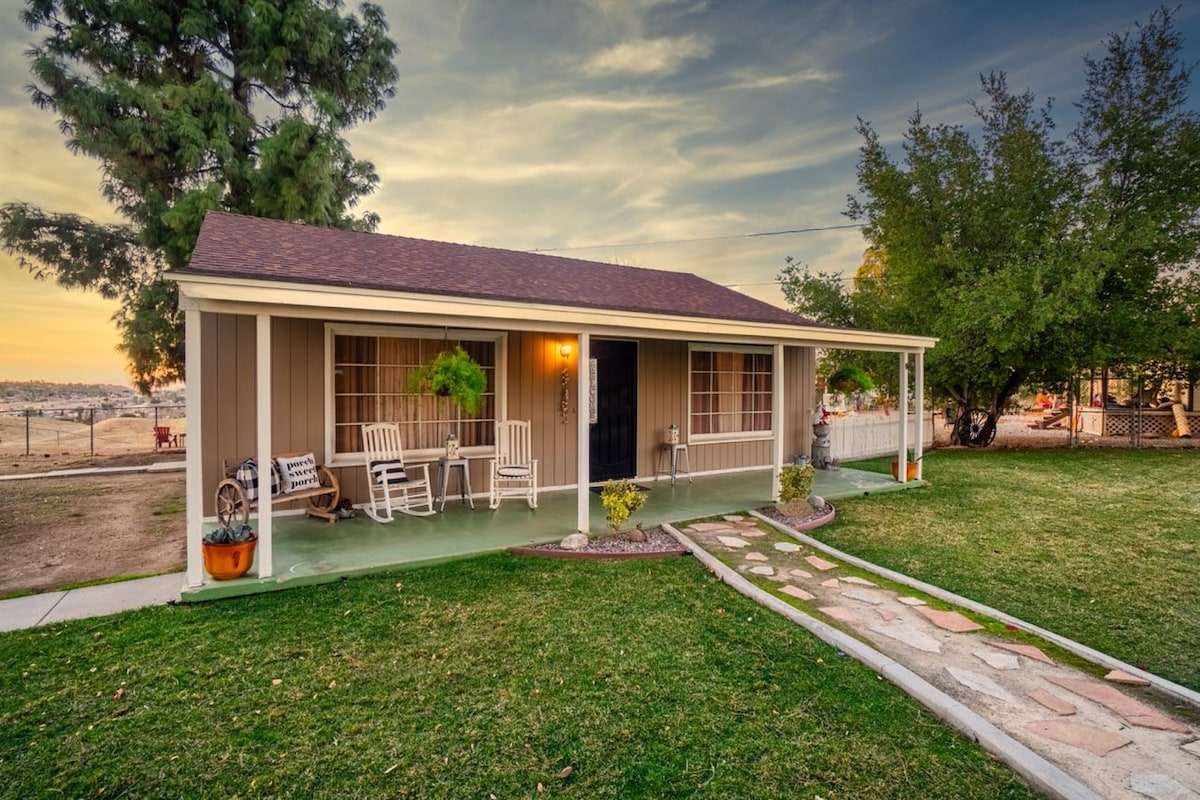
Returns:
(477,679)
(1101,546)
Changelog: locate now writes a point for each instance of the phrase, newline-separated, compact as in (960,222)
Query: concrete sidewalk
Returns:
(90,601)
(159,466)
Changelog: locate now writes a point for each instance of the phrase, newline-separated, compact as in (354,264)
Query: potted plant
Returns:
(795,485)
(229,550)
(850,379)
(910,472)
(453,374)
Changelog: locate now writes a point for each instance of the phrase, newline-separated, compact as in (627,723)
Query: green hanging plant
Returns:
(453,374)
(849,379)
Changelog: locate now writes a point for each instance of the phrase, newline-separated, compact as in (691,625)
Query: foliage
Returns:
(621,500)
(796,482)
(849,379)
(230,534)
(453,374)
(522,666)
(1028,257)
(189,107)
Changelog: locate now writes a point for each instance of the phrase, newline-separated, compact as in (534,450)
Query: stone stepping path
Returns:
(1016,686)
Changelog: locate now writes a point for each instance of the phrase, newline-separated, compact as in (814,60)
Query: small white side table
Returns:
(445,466)
(673,451)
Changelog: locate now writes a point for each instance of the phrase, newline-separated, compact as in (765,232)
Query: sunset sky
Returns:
(551,124)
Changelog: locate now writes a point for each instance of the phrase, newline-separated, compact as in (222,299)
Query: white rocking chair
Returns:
(393,486)
(514,470)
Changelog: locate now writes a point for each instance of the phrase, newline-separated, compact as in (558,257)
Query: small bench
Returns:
(235,495)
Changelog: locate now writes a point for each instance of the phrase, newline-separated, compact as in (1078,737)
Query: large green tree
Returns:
(190,106)
(1029,257)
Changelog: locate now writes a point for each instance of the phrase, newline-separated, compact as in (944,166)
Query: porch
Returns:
(308,551)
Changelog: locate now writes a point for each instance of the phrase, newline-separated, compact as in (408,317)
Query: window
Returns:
(730,392)
(370,384)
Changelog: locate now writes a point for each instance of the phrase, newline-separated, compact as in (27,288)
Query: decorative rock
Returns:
(1095,740)
(787,547)
(1192,747)
(733,541)
(750,533)
(886,614)
(754,556)
(863,596)
(1118,676)
(707,527)
(746,523)
(980,683)
(1027,650)
(841,614)
(816,501)
(857,580)
(799,573)
(1159,786)
(637,535)
(908,634)
(733,518)
(998,660)
(796,591)
(763,570)
(911,601)
(1052,702)
(820,563)
(832,583)
(948,620)
(576,541)
(1133,711)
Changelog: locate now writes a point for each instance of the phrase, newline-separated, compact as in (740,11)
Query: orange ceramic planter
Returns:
(228,561)
(910,472)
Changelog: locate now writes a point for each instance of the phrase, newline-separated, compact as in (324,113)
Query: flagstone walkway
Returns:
(1091,726)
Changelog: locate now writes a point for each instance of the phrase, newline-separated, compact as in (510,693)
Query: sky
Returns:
(659,133)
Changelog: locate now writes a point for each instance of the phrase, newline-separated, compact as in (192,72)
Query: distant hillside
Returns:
(15,395)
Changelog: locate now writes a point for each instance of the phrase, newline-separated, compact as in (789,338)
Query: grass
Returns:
(1101,546)
(478,678)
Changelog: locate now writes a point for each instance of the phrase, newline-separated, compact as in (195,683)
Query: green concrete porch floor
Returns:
(309,551)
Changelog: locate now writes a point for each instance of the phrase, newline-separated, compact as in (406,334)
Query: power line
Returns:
(697,239)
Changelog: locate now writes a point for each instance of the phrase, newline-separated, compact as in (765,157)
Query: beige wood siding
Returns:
(535,393)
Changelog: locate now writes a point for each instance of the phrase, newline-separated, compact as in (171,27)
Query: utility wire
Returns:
(698,239)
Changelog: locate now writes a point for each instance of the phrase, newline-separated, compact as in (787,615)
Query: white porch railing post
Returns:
(194,479)
(262,386)
(902,453)
(919,399)
(780,429)
(583,399)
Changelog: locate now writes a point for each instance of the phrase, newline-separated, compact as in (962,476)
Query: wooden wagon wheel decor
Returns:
(233,507)
(976,428)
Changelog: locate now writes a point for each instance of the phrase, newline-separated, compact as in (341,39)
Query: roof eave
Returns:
(222,294)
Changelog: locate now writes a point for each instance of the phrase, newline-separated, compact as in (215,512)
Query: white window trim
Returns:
(737,436)
(332,329)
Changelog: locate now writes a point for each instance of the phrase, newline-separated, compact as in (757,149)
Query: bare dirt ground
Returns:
(58,531)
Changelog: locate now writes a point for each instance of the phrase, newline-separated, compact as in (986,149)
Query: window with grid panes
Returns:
(730,392)
(370,384)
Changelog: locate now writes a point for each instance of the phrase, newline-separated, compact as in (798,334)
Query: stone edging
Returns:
(581,555)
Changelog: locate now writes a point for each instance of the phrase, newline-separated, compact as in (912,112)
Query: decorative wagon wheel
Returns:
(976,428)
(232,504)
(326,503)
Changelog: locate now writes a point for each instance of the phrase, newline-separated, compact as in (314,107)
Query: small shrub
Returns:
(796,482)
(620,499)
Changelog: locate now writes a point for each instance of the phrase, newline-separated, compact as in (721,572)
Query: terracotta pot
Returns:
(228,561)
(910,470)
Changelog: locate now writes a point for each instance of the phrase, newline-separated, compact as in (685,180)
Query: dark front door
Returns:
(614,433)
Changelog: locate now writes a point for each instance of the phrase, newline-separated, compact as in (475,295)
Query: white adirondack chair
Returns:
(514,469)
(393,486)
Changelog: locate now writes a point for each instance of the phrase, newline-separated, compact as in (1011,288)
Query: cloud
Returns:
(648,56)
(811,75)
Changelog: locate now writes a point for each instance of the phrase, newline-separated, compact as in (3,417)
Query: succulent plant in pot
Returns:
(229,550)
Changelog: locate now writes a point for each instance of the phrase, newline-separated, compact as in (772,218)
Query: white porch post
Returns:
(902,454)
(193,480)
(919,399)
(583,395)
(777,418)
(262,414)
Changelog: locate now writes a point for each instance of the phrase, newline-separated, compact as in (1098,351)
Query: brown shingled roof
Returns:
(233,246)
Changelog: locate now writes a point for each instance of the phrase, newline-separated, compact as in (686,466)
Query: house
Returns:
(297,334)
